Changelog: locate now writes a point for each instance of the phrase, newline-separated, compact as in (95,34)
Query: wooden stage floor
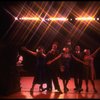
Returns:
(26,83)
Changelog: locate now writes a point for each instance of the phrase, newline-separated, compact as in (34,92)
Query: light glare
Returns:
(85,18)
(97,18)
(16,18)
(56,19)
(59,19)
(29,18)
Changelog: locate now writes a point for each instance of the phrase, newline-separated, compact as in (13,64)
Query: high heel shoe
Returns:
(31,91)
(41,89)
(59,91)
(80,90)
(66,89)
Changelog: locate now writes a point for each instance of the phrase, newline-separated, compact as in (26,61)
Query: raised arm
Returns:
(31,52)
(78,59)
(51,61)
(44,54)
(94,53)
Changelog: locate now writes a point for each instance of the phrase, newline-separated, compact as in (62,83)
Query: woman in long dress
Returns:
(89,68)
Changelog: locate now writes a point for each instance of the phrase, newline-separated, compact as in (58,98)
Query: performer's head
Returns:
(87,51)
(69,42)
(77,48)
(40,49)
(55,45)
(66,50)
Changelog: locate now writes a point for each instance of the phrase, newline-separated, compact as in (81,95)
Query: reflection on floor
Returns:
(26,83)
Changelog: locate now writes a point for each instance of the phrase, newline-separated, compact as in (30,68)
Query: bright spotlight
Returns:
(85,18)
(97,18)
(29,18)
(43,19)
(71,19)
(58,19)
(16,18)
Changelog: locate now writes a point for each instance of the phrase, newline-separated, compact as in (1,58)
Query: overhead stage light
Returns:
(85,18)
(71,19)
(29,18)
(43,19)
(97,18)
(57,19)
(16,18)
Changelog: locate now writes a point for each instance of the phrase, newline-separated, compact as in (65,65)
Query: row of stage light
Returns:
(56,19)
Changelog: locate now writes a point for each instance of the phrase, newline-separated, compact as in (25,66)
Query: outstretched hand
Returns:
(85,63)
(99,48)
(24,48)
(49,62)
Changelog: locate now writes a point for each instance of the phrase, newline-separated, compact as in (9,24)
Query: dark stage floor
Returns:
(26,83)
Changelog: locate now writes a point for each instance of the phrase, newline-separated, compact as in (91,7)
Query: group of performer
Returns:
(54,64)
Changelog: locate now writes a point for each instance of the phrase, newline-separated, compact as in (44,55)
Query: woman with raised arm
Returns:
(40,75)
(89,68)
(65,58)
